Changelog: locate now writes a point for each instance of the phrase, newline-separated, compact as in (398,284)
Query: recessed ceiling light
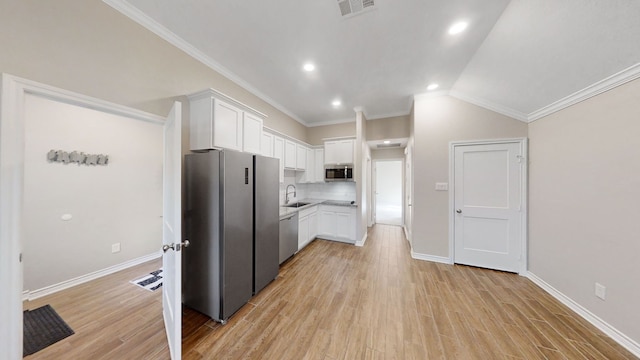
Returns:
(309,67)
(432,87)
(458,27)
(387,142)
(336,103)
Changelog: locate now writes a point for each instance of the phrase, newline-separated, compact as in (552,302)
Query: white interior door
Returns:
(172,231)
(388,192)
(488,204)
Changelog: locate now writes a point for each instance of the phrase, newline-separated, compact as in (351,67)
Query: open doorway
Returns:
(388,190)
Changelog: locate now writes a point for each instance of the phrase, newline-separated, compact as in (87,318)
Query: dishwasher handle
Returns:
(288,218)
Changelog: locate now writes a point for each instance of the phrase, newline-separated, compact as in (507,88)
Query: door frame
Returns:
(523,142)
(12,136)
(374,188)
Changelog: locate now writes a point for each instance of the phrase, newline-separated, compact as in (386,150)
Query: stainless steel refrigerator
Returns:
(219,270)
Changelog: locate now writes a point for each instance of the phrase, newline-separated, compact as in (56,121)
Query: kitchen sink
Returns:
(297,204)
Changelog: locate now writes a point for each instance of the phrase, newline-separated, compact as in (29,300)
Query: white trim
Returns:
(432,258)
(406,232)
(500,109)
(388,115)
(361,242)
(211,92)
(11,174)
(612,332)
(12,136)
(143,19)
(524,258)
(629,74)
(331,122)
(47,290)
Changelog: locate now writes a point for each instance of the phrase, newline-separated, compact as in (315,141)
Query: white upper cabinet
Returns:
(278,153)
(290,155)
(308,176)
(220,122)
(318,174)
(251,133)
(266,144)
(338,152)
(301,157)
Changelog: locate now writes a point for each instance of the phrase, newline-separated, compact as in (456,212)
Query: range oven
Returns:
(338,173)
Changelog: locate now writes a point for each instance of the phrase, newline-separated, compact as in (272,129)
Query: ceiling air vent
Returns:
(381,146)
(352,7)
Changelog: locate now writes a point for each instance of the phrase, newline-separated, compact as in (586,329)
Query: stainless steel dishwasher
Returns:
(288,236)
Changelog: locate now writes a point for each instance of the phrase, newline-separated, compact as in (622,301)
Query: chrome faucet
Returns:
(286,197)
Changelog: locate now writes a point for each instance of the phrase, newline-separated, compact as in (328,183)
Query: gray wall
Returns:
(381,154)
(584,187)
(315,134)
(89,48)
(388,128)
(117,203)
(437,121)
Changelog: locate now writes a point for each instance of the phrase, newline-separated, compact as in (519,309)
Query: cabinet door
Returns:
(319,165)
(343,225)
(327,223)
(313,226)
(278,153)
(251,133)
(289,154)
(330,152)
(310,171)
(345,151)
(301,157)
(266,144)
(303,232)
(227,126)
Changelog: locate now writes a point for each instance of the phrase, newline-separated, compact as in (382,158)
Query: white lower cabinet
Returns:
(337,223)
(303,232)
(307,226)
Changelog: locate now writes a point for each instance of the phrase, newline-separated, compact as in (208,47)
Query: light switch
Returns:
(442,186)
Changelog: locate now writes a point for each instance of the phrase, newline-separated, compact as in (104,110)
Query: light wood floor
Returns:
(337,301)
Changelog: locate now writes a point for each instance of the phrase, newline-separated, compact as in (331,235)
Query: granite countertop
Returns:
(287,211)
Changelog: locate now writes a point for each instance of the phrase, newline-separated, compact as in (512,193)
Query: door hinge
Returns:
(520,158)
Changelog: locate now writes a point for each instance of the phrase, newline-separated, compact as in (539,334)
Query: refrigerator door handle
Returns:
(246,176)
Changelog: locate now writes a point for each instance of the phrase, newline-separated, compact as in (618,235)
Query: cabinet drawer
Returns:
(308,211)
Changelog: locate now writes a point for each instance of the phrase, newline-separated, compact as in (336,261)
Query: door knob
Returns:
(175,247)
(459,211)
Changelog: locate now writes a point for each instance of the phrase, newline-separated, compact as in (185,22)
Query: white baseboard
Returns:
(32,295)
(605,327)
(406,232)
(432,258)
(364,239)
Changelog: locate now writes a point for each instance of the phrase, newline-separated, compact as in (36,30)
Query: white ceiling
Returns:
(516,57)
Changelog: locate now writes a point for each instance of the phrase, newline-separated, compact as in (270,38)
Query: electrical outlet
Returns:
(442,186)
(115,248)
(601,291)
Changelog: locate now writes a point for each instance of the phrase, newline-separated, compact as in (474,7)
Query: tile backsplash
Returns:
(345,191)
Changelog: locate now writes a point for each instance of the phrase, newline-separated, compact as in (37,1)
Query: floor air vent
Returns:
(352,7)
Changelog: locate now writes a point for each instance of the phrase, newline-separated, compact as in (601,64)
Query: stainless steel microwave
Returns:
(338,173)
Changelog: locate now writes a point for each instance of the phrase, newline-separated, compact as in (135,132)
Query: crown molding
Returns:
(384,116)
(629,74)
(147,22)
(490,106)
(331,122)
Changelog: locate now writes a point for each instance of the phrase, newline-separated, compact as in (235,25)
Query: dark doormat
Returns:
(42,327)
